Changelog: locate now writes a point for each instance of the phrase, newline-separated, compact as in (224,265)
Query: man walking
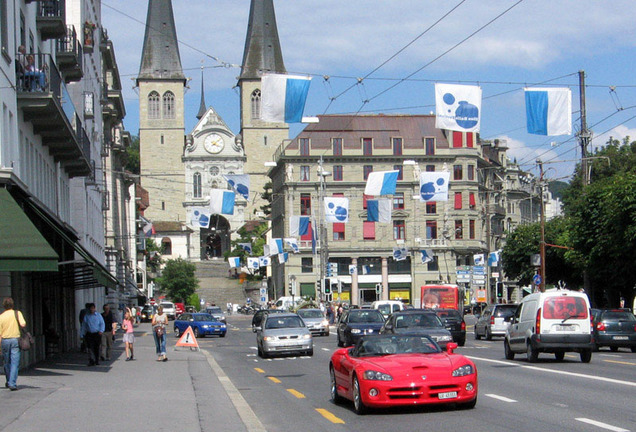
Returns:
(92,329)
(10,323)
(109,333)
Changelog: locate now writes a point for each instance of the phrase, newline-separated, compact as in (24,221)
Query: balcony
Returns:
(47,105)
(496,210)
(69,56)
(51,19)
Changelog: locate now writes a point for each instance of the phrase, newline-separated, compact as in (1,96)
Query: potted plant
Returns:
(89,30)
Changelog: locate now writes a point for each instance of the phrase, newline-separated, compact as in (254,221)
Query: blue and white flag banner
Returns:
(253,263)
(298,225)
(274,247)
(457,107)
(200,217)
(549,111)
(434,185)
(366,269)
(478,259)
(283,257)
(293,244)
(400,253)
(240,183)
(234,262)
(284,97)
(336,209)
(381,183)
(353,269)
(264,261)
(222,201)
(493,259)
(247,247)
(379,210)
(427,256)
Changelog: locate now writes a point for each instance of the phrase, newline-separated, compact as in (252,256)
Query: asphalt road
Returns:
(292,393)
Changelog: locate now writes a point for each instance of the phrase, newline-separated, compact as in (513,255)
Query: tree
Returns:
(254,235)
(153,260)
(178,280)
(267,197)
(132,156)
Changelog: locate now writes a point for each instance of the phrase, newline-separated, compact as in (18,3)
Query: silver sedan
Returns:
(315,321)
(283,334)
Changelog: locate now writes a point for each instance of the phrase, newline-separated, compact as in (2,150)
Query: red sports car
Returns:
(391,370)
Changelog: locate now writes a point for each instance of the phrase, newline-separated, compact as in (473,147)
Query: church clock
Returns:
(213,143)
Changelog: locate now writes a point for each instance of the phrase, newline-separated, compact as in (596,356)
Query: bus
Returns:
(442,296)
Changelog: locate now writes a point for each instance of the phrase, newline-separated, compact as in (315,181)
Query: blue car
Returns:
(202,324)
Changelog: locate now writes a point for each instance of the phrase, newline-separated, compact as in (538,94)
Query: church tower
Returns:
(161,85)
(260,139)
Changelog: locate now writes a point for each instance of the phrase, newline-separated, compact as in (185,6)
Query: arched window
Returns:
(166,246)
(168,105)
(256,104)
(153,105)
(196,185)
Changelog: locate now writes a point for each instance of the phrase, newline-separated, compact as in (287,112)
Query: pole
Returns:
(542,241)
(324,251)
(584,135)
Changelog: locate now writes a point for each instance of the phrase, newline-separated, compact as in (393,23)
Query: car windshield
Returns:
(396,344)
(214,310)
(564,307)
(417,320)
(203,317)
(365,316)
(618,316)
(448,314)
(283,322)
(505,311)
(167,305)
(310,313)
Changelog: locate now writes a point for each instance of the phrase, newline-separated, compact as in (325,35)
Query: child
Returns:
(129,337)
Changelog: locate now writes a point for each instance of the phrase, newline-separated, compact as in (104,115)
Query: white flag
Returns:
(434,185)
(200,217)
(458,107)
(336,209)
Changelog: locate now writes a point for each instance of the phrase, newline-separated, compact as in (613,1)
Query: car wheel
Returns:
(309,353)
(559,355)
(468,405)
(196,332)
(634,349)
(477,337)
(335,397)
(461,342)
(488,335)
(533,354)
(340,344)
(510,355)
(596,348)
(326,333)
(358,405)
(586,356)
(222,335)
(613,348)
(177,332)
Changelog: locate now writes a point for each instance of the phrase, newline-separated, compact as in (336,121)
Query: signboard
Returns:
(479,270)
(494,274)
(481,296)
(536,279)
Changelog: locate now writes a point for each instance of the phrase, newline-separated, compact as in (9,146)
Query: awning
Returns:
(22,247)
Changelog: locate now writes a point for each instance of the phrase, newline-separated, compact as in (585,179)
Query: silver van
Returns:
(555,321)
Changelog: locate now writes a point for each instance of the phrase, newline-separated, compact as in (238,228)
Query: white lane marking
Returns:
(326,349)
(592,377)
(501,398)
(602,425)
(253,348)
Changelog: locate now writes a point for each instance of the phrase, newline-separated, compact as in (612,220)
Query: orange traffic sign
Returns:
(187,339)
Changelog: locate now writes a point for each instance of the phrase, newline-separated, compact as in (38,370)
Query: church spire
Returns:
(160,56)
(262,46)
(202,108)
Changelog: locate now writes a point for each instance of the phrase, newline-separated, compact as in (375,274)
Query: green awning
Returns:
(22,247)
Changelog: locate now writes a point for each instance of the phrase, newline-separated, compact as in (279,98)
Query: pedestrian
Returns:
(159,329)
(82,314)
(92,329)
(129,337)
(108,335)
(10,322)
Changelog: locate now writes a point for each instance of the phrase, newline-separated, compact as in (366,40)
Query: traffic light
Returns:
(327,286)
(332,269)
(499,288)
(378,289)
(318,286)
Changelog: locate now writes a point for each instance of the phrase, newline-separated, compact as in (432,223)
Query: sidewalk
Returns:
(64,394)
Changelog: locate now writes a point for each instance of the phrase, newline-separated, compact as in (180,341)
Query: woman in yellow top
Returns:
(9,334)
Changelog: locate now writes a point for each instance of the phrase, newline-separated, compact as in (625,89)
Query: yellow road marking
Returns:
(276,380)
(620,362)
(259,370)
(296,393)
(332,418)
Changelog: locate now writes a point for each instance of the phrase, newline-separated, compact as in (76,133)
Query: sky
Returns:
(385,56)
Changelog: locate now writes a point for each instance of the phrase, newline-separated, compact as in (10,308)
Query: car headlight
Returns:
(356,331)
(377,376)
(445,338)
(324,323)
(222,318)
(269,338)
(223,326)
(463,371)
(307,336)
(205,326)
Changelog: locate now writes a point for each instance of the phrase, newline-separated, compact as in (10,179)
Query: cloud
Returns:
(617,133)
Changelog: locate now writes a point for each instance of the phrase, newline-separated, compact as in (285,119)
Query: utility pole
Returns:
(324,248)
(542,240)
(584,134)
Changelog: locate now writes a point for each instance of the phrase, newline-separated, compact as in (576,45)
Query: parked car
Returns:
(418,322)
(315,321)
(492,321)
(148,312)
(614,328)
(260,314)
(393,369)
(355,323)
(453,322)
(555,321)
(216,312)
(169,309)
(283,333)
(202,324)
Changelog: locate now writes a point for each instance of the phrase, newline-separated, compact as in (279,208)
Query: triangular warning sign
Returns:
(187,339)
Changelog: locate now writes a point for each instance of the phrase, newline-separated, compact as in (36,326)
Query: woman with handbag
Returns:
(11,324)
(159,329)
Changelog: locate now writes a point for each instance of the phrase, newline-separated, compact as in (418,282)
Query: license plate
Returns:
(621,337)
(563,328)
(447,395)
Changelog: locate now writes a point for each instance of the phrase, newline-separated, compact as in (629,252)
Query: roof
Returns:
(169,226)
(262,46)
(160,56)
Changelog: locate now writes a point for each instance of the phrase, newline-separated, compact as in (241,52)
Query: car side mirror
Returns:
(509,319)
(450,347)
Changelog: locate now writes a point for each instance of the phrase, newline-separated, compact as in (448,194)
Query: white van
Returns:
(387,307)
(288,302)
(555,321)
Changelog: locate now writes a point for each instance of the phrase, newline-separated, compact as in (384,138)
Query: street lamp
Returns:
(324,249)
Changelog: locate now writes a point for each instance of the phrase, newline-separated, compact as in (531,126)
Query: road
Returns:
(292,393)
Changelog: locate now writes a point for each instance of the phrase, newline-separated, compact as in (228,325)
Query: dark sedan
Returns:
(418,322)
(202,324)
(454,323)
(355,323)
(614,328)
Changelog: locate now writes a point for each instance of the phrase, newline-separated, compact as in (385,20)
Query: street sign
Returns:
(494,274)
(479,270)
(536,279)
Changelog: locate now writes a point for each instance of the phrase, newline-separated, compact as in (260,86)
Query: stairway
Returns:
(215,285)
